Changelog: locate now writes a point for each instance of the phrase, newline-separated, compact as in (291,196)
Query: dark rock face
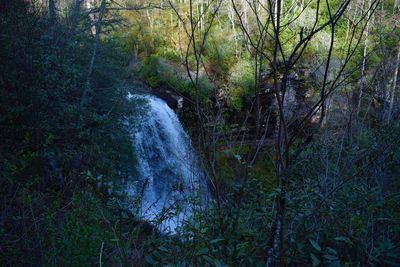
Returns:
(172,100)
(295,106)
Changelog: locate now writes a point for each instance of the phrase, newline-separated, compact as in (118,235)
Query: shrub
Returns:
(241,84)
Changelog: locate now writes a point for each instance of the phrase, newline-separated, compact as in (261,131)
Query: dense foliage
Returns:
(62,163)
(57,162)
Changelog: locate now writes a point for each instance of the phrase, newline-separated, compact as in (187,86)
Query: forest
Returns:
(199,133)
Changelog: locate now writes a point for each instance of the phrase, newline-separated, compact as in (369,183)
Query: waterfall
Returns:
(170,178)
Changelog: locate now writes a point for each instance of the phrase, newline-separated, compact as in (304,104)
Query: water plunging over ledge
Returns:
(171,181)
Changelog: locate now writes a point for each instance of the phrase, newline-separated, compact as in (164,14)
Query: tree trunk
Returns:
(231,16)
(396,5)
(201,14)
(52,10)
(75,11)
(246,23)
(385,64)
(364,60)
(150,21)
(394,85)
(94,51)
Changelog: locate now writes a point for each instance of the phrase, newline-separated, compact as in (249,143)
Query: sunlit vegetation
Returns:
(292,107)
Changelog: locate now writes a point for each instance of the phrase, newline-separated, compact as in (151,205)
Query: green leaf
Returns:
(162,248)
(208,259)
(216,240)
(332,251)
(150,260)
(344,239)
(238,157)
(315,261)
(202,251)
(157,254)
(219,264)
(330,257)
(315,245)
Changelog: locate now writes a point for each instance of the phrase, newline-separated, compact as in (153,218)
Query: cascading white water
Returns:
(170,176)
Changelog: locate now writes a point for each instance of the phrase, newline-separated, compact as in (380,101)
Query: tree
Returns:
(394,87)
(84,97)
(283,61)
(52,10)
